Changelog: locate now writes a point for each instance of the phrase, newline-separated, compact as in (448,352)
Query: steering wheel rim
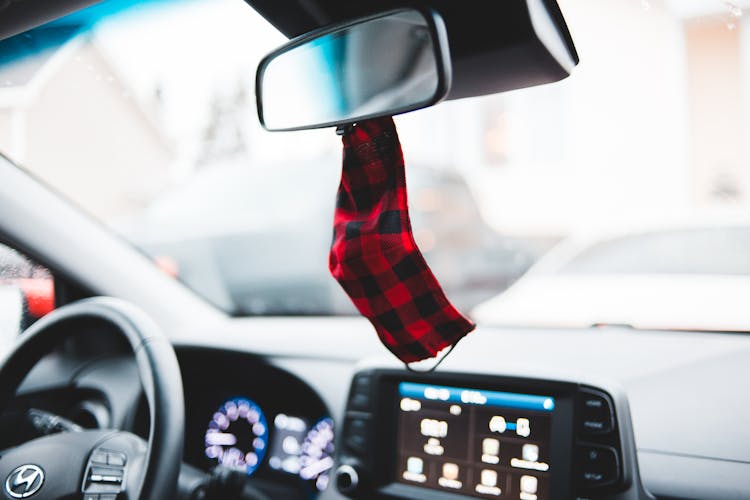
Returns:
(157,368)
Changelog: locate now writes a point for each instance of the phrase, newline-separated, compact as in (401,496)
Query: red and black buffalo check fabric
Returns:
(374,256)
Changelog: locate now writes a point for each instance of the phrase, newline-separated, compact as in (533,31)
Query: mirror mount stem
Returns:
(347,129)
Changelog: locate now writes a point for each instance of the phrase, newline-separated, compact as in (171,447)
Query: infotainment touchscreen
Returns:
(481,443)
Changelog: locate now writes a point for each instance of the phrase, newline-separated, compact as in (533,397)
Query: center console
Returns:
(455,435)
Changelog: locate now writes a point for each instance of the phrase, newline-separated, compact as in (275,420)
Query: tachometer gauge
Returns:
(237,435)
(316,457)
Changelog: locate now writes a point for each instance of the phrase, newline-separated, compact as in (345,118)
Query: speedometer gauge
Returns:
(316,458)
(237,435)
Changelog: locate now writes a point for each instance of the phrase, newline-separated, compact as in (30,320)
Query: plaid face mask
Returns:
(374,256)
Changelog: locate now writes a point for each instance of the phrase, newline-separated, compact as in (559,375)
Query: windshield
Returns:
(147,120)
(674,251)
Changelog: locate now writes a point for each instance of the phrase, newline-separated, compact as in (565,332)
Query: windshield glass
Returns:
(686,251)
(147,120)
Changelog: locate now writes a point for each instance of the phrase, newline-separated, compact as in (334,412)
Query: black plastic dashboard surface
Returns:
(678,377)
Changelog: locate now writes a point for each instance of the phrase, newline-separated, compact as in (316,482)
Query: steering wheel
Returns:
(99,463)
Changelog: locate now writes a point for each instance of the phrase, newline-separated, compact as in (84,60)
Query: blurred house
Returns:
(110,166)
(656,119)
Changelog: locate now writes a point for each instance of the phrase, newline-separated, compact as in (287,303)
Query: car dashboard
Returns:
(511,413)
(678,396)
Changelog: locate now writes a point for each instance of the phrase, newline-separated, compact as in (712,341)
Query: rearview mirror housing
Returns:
(380,65)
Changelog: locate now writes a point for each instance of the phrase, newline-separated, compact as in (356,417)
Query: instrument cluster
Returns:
(238,436)
(254,417)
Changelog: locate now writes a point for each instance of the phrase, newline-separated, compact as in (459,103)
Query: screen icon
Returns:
(450,471)
(488,483)
(530,452)
(529,485)
(414,470)
(433,428)
(415,465)
(449,479)
(409,404)
(498,424)
(523,427)
(489,477)
(433,447)
(490,450)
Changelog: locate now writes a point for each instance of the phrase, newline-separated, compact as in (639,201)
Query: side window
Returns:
(27,293)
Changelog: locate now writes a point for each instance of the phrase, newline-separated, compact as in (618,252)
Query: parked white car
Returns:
(689,277)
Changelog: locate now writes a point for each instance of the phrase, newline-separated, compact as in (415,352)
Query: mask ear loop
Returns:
(437,363)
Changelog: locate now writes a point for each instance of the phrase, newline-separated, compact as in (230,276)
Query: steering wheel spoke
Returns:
(115,465)
(56,460)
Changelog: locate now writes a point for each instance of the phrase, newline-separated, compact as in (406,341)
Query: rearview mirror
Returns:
(380,65)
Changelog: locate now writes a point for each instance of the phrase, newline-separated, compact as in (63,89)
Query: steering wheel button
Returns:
(116,459)
(97,478)
(99,457)
(100,471)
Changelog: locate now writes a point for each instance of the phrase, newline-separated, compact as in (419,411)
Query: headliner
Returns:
(493,45)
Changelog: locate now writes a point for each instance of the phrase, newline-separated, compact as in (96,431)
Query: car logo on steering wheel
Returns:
(24,481)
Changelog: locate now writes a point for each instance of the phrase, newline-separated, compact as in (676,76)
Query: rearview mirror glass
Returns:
(381,65)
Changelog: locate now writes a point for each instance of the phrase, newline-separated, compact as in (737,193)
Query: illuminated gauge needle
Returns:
(220,439)
(316,468)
